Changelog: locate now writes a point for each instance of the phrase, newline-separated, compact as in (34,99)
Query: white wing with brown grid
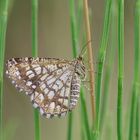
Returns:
(53,84)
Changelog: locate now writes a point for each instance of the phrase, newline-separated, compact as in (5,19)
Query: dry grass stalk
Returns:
(90,56)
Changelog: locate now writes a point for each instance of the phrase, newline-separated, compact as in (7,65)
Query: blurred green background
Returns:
(55,41)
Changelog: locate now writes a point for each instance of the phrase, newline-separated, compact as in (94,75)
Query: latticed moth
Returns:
(53,85)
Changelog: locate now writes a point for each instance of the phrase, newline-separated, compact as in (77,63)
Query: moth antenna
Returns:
(84,49)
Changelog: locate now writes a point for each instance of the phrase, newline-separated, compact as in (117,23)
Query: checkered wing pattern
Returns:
(52,83)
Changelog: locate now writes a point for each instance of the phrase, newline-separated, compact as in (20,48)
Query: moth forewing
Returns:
(53,84)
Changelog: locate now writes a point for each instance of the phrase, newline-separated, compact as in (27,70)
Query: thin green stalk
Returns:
(35,28)
(75,27)
(137,119)
(84,116)
(101,60)
(120,66)
(34,54)
(3,27)
(109,65)
(74,49)
(133,112)
(136,81)
(79,17)
(137,127)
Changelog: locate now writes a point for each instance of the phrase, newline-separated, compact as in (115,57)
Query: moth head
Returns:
(80,67)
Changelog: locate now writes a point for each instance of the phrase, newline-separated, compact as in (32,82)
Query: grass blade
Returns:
(74,49)
(109,65)
(73,28)
(3,27)
(84,116)
(120,66)
(101,60)
(34,28)
(34,54)
(85,128)
(137,127)
(136,81)
(75,33)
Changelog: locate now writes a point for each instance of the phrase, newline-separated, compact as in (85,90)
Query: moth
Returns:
(53,85)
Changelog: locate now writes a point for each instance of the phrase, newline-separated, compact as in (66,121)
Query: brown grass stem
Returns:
(90,56)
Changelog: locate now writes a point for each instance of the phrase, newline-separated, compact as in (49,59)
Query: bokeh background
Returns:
(55,41)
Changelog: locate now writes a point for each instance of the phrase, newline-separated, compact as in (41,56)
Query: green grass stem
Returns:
(136,81)
(73,23)
(80,19)
(3,27)
(84,116)
(35,54)
(120,66)
(35,28)
(101,60)
(74,49)
(75,34)
(137,126)
(109,65)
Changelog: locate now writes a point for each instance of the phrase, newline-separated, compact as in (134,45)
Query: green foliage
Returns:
(101,60)
(106,53)
(35,53)
(109,66)
(75,35)
(74,48)
(120,66)
(3,28)
(134,113)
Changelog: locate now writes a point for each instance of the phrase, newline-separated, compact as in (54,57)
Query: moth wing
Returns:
(52,96)
(48,81)
(24,72)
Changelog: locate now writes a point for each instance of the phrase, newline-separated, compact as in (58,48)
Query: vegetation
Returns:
(95,122)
